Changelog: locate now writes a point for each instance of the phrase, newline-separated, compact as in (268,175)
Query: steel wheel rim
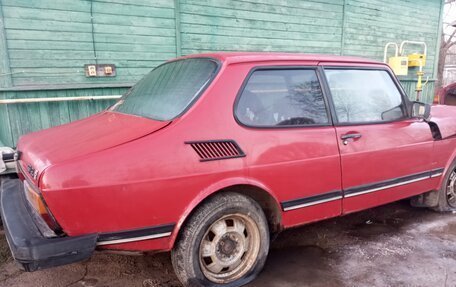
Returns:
(229,248)
(451,190)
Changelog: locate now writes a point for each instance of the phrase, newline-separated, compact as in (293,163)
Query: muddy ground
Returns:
(393,245)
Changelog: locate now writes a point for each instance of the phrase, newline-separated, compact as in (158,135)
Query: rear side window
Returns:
(364,96)
(291,97)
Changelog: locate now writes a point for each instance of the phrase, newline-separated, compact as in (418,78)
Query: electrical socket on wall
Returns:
(100,70)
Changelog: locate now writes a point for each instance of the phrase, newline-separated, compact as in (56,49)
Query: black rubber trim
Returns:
(437,171)
(28,246)
(363,188)
(310,199)
(165,228)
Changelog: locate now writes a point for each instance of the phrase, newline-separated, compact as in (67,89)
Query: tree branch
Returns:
(448,42)
(450,45)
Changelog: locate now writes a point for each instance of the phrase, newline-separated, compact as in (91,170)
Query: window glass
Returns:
(364,96)
(168,90)
(282,98)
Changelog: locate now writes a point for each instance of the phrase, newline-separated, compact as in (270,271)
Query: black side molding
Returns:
(131,235)
(360,190)
(387,183)
(311,200)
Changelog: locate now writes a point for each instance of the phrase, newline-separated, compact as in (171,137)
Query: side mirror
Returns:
(421,110)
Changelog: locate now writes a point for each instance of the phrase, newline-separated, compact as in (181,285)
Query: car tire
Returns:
(224,243)
(447,192)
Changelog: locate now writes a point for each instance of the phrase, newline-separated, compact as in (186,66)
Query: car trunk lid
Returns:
(98,132)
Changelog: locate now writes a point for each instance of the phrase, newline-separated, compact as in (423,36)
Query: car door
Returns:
(292,143)
(385,154)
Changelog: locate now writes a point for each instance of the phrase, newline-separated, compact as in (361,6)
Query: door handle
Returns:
(346,137)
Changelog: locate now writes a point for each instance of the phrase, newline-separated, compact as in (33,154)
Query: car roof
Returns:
(239,57)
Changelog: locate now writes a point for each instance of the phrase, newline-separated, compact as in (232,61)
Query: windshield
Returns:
(168,90)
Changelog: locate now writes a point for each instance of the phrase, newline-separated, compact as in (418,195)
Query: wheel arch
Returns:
(448,164)
(256,190)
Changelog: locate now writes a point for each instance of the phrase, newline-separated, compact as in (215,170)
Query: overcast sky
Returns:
(449,16)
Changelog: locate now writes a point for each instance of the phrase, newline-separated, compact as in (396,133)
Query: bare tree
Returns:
(448,40)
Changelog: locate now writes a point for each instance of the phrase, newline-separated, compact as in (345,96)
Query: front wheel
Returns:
(447,193)
(224,243)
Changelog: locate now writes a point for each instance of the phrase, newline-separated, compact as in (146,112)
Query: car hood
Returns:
(445,118)
(101,131)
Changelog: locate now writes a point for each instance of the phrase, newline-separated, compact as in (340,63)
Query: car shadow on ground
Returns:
(392,245)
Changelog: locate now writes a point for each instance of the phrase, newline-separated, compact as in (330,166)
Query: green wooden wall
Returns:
(44,44)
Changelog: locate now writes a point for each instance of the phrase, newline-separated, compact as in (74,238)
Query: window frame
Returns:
(405,100)
(197,96)
(321,81)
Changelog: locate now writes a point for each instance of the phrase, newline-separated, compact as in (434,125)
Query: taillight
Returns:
(34,199)
(36,202)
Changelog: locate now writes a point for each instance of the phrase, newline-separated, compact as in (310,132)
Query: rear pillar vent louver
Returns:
(216,149)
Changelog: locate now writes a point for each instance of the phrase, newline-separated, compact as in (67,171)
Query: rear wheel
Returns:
(447,194)
(224,243)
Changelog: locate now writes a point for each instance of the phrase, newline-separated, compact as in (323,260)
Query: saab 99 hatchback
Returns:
(210,156)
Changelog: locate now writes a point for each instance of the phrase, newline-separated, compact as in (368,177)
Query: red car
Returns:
(447,95)
(210,156)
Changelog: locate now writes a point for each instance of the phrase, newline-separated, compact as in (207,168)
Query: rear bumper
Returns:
(28,245)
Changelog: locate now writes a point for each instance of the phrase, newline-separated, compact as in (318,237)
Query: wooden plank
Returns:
(271,6)
(207,48)
(31,63)
(215,21)
(5,127)
(133,30)
(394,9)
(85,46)
(252,15)
(363,19)
(43,14)
(381,32)
(48,45)
(66,5)
(218,39)
(133,39)
(439,39)
(148,3)
(178,27)
(5,72)
(256,33)
(295,8)
(132,10)
(59,80)
(49,35)
(402,5)
(46,25)
(137,21)
(344,27)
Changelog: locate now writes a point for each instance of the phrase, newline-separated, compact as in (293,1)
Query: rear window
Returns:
(168,90)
